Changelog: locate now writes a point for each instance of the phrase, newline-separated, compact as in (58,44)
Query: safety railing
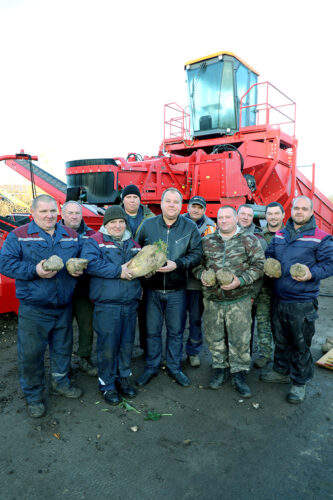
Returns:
(176,123)
(272,107)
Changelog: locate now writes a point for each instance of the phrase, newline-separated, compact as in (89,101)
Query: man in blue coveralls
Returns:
(116,295)
(45,312)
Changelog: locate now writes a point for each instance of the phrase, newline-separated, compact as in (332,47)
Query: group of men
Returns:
(107,298)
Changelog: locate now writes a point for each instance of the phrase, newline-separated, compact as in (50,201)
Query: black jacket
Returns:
(184,248)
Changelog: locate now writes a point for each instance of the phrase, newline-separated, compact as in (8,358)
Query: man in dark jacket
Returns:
(45,314)
(136,212)
(294,309)
(116,296)
(83,308)
(166,289)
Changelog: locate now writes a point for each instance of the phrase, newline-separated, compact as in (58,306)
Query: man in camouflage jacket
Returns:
(227,313)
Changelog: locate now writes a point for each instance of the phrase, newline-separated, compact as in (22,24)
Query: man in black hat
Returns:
(116,296)
(136,212)
(196,212)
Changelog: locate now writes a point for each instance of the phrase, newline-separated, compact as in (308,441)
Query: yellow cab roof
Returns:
(221,54)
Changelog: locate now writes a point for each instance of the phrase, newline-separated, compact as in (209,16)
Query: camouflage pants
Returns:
(228,333)
(263,316)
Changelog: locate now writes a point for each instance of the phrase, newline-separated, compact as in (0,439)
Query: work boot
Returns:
(296,394)
(180,378)
(68,391)
(112,397)
(194,361)
(124,387)
(36,410)
(238,382)
(261,362)
(275,378)
(87,367)
(220,375)
(145,378)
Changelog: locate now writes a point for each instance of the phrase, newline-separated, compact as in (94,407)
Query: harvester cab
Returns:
(216,84)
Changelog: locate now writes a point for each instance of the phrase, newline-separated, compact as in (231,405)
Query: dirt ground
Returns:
(214,445)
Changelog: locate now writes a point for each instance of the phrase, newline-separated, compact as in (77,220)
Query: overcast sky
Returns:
(88,79)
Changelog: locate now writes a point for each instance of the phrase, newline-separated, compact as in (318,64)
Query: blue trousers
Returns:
(171,308)
(115,327)
(195,309)
(37,328)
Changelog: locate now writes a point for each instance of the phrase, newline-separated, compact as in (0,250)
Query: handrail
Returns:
(267,107)
(176,128)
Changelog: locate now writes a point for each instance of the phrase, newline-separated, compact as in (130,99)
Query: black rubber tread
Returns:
(50,179)
(93,161)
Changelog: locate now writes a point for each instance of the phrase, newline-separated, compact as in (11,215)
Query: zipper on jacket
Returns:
(167,242)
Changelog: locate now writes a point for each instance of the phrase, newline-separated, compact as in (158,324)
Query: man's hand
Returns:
(205,283)
(168,267)
(306,277)
(234,284)
(125,272)
(77,274)
(42,273)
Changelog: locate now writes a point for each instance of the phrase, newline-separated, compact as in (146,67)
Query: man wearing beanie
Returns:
(136,213)
(116,296)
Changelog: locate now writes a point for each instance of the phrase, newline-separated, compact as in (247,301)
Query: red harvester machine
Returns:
(235,143)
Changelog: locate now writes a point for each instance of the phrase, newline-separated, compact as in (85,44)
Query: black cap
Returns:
(114,212)
(198,200)
(130,189)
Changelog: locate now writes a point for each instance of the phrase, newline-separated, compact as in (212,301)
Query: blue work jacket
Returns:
(24,248)
(310,246)
(106,257)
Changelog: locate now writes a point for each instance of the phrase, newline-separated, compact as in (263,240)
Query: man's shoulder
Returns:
(22,231)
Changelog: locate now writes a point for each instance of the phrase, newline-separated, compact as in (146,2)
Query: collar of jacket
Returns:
(310,225)
(34,228)
(239,230)
(126,235)
(175,224)
(83,228)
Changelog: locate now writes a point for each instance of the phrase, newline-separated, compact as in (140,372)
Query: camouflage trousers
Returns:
(228,333)
(263,317)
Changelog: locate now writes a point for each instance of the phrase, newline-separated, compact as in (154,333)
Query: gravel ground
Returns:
(214,445)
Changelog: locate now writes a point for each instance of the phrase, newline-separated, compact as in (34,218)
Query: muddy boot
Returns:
(194,361)
(275,378)
(261,362)
(68,391)
(36,410)
(238,382)
(296,394)
(87,367)
(220,375)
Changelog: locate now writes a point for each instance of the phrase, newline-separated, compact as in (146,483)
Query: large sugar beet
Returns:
(224,276)
(298,270)
(54,263)
(149,259)
(76,265)
(209,277)
(272,267)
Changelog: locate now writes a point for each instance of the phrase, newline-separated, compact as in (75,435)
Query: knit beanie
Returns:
(130,189)
(114,212)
